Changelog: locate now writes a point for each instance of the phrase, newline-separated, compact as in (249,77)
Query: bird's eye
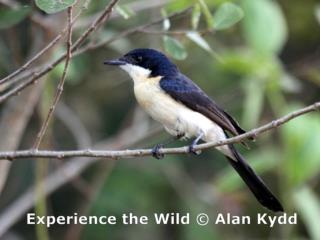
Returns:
(139,58)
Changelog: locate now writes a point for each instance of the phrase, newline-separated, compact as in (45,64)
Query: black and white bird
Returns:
(184,110)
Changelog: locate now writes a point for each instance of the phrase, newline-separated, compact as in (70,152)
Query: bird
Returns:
(187,112)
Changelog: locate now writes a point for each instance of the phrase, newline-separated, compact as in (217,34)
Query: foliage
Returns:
(174,48)
(226,16)
(54,6)
(264,25)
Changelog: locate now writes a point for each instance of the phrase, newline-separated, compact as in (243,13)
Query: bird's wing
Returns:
(182,89)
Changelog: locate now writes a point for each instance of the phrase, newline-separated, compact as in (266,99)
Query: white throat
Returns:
(137,73)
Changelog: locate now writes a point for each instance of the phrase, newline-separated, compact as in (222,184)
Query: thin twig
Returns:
(98,22)
(32,72)
(136,7)
(148,152)
(60,85)
(40,53)
(23,76)
(68,171)
(35,75)
(175,32)
(33,59)
(125,33)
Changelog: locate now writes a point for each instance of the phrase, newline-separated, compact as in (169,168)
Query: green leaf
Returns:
(53,6)
(227,15)
(125,11)
(10,17)
(199,40)
(195,17)
(264,26)
(177,5)
(307,204)
(174,48)
(207,13)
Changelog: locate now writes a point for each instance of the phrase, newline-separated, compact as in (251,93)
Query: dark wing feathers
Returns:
(182,89)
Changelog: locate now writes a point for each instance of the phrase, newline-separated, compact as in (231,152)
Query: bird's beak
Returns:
(115,62)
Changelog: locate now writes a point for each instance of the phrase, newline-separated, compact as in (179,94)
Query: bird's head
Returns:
(145,63)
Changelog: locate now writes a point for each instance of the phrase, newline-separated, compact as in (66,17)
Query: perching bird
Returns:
(184,110)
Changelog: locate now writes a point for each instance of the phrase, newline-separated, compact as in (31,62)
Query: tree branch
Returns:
(47,68)
(34,72)
(59,91)
(36,75)
(148,152)
(51,44)
(70,169)
(128,32)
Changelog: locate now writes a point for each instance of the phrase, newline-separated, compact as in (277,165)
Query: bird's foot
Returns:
(180,136)
(193,151)
(155,151)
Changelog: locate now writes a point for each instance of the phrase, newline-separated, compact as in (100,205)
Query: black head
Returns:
(150,59)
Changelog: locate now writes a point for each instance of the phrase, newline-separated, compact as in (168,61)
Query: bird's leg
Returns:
(194,143)
(155,150)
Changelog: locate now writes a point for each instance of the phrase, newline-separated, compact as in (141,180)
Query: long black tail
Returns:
(254,182)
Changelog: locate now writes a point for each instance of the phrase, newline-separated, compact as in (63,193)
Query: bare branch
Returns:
(36,75)
(148,152)
(69,170)
(129,32)
(60,85)
(40,53)
(136,6)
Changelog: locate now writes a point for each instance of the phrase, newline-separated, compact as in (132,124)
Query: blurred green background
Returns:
(259,59)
